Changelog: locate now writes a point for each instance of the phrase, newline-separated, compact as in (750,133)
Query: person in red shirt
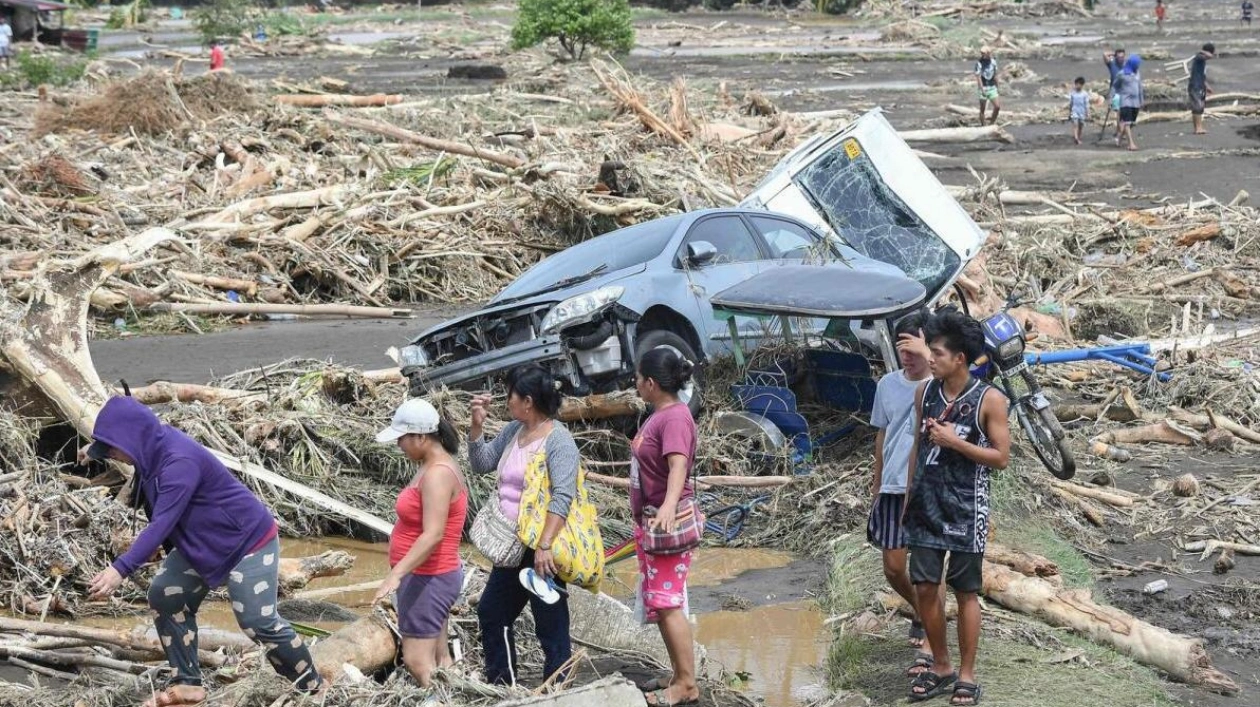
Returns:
(217,57)
(1160,13)
(662,456)
(426,570)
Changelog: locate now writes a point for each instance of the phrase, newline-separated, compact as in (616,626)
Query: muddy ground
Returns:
(793,59)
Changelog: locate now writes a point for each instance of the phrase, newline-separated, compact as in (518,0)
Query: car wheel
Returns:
(691,394)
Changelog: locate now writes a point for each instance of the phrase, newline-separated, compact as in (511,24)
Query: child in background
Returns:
(1160,13)
(217,58)
(1078,108)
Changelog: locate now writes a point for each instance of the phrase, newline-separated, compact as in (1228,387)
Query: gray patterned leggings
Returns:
(176,594)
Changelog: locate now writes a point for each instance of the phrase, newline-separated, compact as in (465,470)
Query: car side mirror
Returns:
(700,253)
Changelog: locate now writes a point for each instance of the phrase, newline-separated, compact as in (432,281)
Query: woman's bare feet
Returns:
(178,695)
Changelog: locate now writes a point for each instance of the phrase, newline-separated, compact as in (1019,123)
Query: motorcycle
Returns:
(1004,343)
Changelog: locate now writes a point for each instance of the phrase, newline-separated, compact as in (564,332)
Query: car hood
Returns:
(530,301)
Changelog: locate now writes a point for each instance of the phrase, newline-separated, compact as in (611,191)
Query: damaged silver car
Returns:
(859,196)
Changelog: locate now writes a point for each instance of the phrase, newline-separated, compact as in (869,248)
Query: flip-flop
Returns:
(660,698)
(917,632)
(964,691)
(931,684)
(921,660)
(652,685)
(542,587)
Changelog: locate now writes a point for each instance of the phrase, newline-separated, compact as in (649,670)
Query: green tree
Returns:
(575,24)
(223,19)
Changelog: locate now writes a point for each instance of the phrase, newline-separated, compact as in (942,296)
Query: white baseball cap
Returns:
(414,417)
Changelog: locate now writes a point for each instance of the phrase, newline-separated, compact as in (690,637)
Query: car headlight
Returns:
(580,309)
(409,356)
(1011,348)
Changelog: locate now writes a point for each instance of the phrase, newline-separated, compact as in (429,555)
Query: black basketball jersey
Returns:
(948,507)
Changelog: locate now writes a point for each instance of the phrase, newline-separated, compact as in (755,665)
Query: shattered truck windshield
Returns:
(874,220)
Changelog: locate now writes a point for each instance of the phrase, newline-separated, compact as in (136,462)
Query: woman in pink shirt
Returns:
(662,455)
(533,401)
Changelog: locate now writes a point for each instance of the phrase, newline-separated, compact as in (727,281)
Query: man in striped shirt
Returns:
(893,414)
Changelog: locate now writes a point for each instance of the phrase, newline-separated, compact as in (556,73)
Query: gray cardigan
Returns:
(562,461)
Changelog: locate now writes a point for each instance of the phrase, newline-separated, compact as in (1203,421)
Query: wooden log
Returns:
(1211,420)
(1124,409)
(1207,547)
(319,100)
(601,407)
(130,640)
(397,133)
(985,134)
(1091,512)
(162,392)
(1180,656)
(247,308)
(292,200)
(245,287)
(1026,563)
(72,660)
(296,573)
(1202,233)
(1112,498)
(367,644)
(1163,432)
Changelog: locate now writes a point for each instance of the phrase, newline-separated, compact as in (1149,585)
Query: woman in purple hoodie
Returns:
(215,531)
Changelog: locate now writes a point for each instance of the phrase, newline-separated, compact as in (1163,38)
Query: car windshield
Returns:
(871,218)
(621,249)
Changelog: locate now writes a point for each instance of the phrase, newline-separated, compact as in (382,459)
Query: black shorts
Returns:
(1198,102)
(1128,115)
(966,569)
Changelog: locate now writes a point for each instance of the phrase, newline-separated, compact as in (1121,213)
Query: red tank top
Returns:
(410,509)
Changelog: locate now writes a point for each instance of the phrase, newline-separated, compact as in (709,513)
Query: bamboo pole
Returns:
(247,308)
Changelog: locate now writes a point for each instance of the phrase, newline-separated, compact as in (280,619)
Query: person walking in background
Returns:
(216,532)
(893,415)
(425,569)
(963,434)
(533,401)
(6,40)
(1078,108)
(1129,87)
(663,454)
(1198,87)
(1161,12)
(1114,61)
(987,83)
(1247,8)
(217,57)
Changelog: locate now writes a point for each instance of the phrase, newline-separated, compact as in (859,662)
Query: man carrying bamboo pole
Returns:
(963,434)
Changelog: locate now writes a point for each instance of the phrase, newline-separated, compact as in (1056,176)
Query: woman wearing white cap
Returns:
(424,545)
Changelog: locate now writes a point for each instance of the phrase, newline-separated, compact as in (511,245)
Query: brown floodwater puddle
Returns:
(779,646)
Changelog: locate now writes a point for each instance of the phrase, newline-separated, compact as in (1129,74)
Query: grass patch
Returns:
(856,574)
(1018,528)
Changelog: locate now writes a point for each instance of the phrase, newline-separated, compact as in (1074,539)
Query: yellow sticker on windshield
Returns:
(852,149)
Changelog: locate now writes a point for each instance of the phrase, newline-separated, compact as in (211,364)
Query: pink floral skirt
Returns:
(662,579)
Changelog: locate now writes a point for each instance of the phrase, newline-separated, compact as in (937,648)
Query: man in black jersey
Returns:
(963,434)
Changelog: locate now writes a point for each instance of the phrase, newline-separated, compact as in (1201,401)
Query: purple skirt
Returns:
(425,601)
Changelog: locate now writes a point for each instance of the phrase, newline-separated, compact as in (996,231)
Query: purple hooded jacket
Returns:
(204,511)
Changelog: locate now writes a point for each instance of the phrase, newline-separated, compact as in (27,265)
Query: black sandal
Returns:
(931,684)
(923,662)
(917,633)
(965,691)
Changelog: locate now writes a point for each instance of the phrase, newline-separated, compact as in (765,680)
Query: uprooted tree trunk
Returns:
(1180,656)
(296,573)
